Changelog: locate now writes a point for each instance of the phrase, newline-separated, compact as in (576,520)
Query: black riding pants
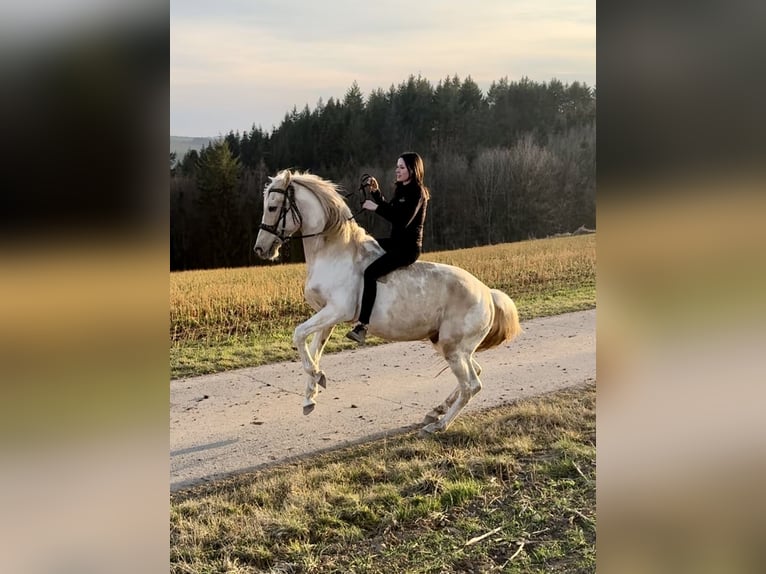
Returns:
(383,265)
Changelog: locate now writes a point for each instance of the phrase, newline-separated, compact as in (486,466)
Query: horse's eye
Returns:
(272,209)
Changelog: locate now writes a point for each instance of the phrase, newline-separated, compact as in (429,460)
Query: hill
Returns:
(181,144)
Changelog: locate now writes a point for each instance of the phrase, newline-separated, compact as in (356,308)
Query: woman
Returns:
(407,212)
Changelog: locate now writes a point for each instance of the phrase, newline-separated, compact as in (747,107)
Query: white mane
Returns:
(339,222)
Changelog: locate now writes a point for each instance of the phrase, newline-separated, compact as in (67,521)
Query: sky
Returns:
(239,63)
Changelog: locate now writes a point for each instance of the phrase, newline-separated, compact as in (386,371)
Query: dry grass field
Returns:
(229,318)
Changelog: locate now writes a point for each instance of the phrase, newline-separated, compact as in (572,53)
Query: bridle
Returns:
(295,213)
(292,210)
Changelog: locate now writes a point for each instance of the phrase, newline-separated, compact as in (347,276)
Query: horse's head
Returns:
(305,202)
(281,217)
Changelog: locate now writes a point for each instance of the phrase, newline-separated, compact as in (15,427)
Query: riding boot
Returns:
(358,333)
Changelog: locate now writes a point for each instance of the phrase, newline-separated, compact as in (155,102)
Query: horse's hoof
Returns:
(429,430)
(322,381)
(429,419)
(308,409)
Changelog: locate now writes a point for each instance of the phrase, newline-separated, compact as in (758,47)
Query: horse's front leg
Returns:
(321,325)
(318,341)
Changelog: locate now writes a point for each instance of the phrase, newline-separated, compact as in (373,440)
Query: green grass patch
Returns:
(524,474)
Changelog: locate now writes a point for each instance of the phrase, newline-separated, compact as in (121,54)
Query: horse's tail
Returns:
(505,325)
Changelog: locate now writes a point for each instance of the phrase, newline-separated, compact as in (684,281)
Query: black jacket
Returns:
(407,213)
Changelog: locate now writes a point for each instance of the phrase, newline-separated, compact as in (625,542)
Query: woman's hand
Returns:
(370,204)
(377,197)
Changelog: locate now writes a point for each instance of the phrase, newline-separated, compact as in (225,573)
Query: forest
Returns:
(514,163)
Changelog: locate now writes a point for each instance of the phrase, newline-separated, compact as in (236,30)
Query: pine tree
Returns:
(217,180)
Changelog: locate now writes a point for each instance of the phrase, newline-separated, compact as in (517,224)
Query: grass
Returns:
(522,473)
(231,318)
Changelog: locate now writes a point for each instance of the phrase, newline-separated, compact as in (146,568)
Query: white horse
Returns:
(449,306)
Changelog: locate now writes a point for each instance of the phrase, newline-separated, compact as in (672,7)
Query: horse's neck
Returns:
(359,253)
(359,249)
(324,247)
(312,248)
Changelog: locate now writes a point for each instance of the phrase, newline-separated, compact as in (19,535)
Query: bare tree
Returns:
(533,175)
(491,183)
(449,221)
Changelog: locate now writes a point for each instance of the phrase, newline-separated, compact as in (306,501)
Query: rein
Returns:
(363,187)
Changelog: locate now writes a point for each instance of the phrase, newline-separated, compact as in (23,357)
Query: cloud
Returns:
(293,53)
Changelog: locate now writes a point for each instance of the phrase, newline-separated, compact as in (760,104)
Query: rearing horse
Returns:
(447,305)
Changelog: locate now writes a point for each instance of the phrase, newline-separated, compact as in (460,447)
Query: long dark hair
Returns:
(417,170)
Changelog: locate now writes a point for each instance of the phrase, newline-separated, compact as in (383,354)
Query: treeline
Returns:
(514,163)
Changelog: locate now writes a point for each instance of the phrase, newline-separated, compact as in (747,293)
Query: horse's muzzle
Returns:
(266,249)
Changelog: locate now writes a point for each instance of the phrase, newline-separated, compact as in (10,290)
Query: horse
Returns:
(458,313)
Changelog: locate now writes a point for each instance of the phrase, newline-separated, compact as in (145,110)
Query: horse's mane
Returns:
(339,223)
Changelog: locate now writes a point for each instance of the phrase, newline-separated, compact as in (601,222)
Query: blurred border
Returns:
(681,279)
(84,262)
(83,287)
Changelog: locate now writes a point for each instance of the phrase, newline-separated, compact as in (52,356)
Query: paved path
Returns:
(250,418)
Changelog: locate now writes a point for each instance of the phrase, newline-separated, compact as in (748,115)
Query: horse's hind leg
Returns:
(436,413)
(468,385)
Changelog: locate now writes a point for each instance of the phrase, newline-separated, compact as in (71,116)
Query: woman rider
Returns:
(407,213)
